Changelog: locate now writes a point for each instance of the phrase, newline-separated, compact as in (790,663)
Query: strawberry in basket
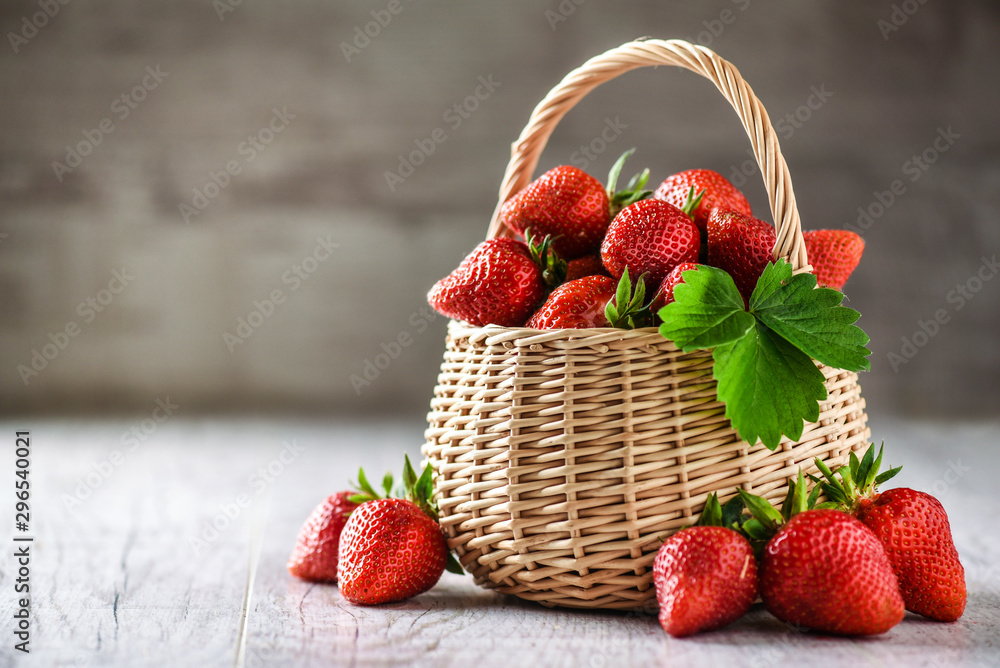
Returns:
(718,193)
(572,207)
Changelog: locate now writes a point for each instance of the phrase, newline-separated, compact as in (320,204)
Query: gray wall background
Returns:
(323,177)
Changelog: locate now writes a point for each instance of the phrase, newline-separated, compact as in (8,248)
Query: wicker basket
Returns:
(563,458)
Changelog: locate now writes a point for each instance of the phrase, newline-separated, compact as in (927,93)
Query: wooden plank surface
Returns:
(118,577)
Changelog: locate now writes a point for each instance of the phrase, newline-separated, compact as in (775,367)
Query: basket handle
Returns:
(653,52)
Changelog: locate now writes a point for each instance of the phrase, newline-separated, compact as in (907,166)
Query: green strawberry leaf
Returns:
(452,565)
(707,311)
(810,318)
(764,357)
(732,512)
(711,516)
(768,385)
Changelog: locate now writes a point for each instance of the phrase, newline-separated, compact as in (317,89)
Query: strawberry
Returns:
(576,304)
(498,283)
(821,568)
(650,237)
(665,294)
(314,557)
(913,528)
(719,193)
(705,576)
(392,549)
(593,301)
(571,206)
(588,265)
(741,245)
(834,255)
(827,571)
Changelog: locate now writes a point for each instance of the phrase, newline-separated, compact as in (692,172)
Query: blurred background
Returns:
(237,206)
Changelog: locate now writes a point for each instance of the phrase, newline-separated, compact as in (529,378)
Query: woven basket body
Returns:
(563,458)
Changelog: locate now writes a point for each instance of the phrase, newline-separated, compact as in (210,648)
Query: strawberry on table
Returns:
(571,206)
(314,557)
(650,237)
(705,576)
(827,571)
(719,193)
(741,245)
(821,568)
(834,255)
(913,528)
(393,549)
(499,283)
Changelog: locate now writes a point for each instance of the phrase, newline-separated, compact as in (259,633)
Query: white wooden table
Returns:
(118,578)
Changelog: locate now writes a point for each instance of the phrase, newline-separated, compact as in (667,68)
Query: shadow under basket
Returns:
(563,458)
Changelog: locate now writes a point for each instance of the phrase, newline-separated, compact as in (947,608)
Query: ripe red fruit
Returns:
(827,571)
(498,283)
(314,557)
(665,294)
(390,550)
(719,193)
(576,304)
(705,578)
(834,255)
(912,527)
(914,530)
(565,203)
(588,265)
(649,237)
(742,246)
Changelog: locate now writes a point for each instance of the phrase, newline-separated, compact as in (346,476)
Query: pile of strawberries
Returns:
(579,243)
(849,566)
(380,549)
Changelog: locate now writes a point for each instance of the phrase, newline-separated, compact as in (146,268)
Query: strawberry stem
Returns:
(692,202)
(634,191)
(628,310)
(552,266)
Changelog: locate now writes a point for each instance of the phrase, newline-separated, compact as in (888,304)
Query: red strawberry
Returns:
(392,549)
(588,265)
(719,193)
(314,557)
(650,237)
(566,203)
(834,255)
(576,304)
(741,245)
(571,206)
(499,283)
(594,301)
(665,294)
(914,530)
(827,571)
(705,578)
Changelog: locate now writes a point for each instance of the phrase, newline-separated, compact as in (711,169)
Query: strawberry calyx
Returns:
(692,202)
(858,481)
(765,520)
(628,309)
(552,266)
(729,516)
(418,490)
(633,192)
